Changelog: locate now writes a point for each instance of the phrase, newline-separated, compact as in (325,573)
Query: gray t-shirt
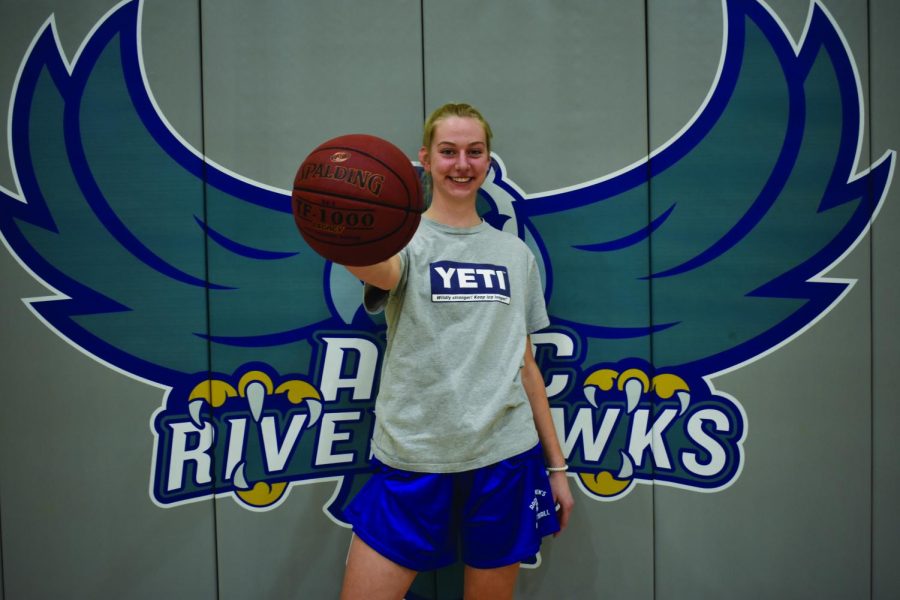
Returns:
(451,397)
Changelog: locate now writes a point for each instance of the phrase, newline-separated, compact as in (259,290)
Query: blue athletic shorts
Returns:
(490,517)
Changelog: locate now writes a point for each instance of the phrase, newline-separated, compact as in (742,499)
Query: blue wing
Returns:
(159,257)
(709,252)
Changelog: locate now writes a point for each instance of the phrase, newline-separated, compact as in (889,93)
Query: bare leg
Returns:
(490,584)
(371,576)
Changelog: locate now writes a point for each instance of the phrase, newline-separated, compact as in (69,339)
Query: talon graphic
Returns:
(602,379)
(255,386)
(634,382)
(627,470)
(195,409)
(256,395)
(633,389)
(258,387)
(262,495)
(607,486)
(590,393)
(240,482)
(667,385)
(637,378)
(255,377)
(315,411)
(300,391)
(212,392)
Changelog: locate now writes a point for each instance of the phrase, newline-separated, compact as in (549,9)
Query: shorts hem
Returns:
(496,564)
(389,554)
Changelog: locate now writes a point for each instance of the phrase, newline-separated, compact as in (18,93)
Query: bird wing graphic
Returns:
(710,252)
(157,256)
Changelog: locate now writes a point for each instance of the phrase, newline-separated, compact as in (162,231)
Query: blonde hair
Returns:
(451,109)
(454,110)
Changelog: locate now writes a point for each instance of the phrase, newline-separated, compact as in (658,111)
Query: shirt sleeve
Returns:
(536,317)
(374,298)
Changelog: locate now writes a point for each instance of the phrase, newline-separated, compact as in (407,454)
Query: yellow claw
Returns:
(629,374)
(213,391)
(604,484)
(297,391)
(262,493)
(602,378)
(255,376)
(667,385)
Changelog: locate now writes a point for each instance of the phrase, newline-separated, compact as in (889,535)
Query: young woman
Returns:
(463,435)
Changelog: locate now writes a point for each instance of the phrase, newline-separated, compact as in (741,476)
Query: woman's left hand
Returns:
(562,497)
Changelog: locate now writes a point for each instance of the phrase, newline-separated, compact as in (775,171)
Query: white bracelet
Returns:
(558,469)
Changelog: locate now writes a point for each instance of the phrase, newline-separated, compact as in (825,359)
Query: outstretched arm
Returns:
(384,275)
(533,382)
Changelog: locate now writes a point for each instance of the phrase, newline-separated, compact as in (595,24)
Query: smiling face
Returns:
(458,159)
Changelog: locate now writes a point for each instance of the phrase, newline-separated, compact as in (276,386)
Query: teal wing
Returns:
(710,251)
(158,257)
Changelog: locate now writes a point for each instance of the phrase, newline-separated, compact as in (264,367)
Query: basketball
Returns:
(357,200)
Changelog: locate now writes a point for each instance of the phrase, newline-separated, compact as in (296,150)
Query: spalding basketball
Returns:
(357,200)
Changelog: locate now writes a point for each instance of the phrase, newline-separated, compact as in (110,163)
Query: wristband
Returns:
(558,469)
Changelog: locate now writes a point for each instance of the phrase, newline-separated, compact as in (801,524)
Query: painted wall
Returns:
(575,92)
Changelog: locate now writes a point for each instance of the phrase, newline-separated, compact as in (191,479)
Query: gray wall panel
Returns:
(76,443)
(77,519)
(548,77)
(279,79)
(796,523)
(885,90)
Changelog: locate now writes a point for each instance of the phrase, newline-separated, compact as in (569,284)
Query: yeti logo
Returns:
(463,282)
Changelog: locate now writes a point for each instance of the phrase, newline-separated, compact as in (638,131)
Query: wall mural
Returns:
(706,255)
